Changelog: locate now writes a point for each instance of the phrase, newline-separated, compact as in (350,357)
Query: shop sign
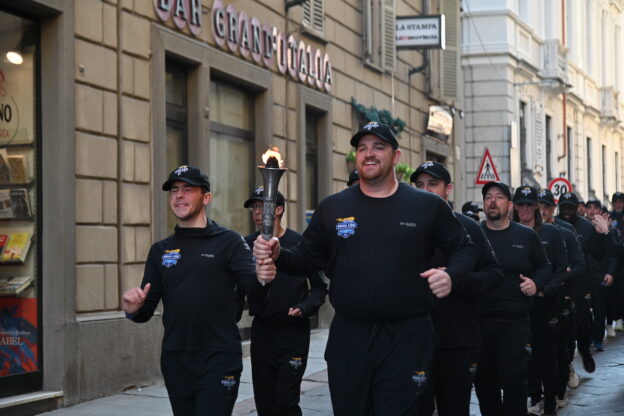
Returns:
(420,32)
(266,45)
(183,13)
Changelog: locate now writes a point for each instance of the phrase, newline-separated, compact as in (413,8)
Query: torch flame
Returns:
(273,151)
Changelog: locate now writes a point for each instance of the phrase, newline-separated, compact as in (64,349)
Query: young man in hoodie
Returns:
(194,273)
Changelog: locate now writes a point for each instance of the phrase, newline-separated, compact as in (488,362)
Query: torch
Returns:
(272,171)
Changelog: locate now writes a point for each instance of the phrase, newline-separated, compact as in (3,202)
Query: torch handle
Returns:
(268,214)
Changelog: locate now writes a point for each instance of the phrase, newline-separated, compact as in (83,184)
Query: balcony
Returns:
(608,103)
(555,61)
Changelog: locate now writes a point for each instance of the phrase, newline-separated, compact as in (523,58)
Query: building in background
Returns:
(543,83)
(113,94)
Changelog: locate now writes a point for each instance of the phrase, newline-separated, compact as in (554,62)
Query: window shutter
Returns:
(314,15)
(367,31)
(388,49)
(450,10)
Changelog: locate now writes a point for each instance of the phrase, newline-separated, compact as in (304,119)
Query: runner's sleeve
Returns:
(542,269)
(318,290)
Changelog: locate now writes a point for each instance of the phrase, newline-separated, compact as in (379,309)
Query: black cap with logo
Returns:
(353,176)
(594,201)
(258,195)
(618,196)
(380,130)
(501,185)
(435,169)
(471,208)
(569,198)
(546,197)
(525,195)
(189,174)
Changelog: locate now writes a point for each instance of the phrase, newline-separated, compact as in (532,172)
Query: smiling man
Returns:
(194,272)
(373,239)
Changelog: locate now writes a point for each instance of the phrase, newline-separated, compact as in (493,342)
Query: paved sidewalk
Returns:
(600,393)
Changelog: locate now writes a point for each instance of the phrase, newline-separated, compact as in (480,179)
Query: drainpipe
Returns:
(564,95)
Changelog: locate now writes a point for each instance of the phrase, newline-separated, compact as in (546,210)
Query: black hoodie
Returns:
(194,272)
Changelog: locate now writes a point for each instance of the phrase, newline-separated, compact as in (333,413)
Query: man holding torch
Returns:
(374,239)
(194,272)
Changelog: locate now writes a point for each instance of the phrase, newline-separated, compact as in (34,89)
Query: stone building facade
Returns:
(126,90)
(543,82)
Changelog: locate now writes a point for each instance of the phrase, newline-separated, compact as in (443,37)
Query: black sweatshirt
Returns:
(194,272)
(519,251)
(552,242)
(374,250)
(576,260)
(456,317)
(287,291)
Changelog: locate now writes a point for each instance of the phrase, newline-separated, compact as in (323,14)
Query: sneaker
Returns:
(561,403)
(537,409)
(588,362)
(619,326)
(610,331)
(599,346)
(574,380)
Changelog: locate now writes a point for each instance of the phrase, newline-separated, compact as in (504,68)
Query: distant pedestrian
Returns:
(280,331)
(374,240)
(471,209)
(354,178)
(194,272)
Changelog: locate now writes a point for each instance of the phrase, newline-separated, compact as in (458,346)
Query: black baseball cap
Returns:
(525,195)
(618,196)
(435,169)
(569,198)
(546,197)
(189,174)
(471,208)
(383,131)
(353,176)
(594,201)
(258,195)
(503,187)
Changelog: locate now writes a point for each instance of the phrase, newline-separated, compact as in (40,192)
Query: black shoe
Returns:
(588,362)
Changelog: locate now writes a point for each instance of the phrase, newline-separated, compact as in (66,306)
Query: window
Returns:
(20,193)
(589,37)
(549,166)
(434,157)
(570,142)
(448,56)
(311,158)
(231,155)
(177,121)
(589,165)
(523,135)
(379,45)
(314,15)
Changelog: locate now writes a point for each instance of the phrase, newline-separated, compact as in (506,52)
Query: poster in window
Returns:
(18,336)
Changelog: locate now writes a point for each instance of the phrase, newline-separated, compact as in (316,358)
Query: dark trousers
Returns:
(599,308)
(503,364)
(584,323)
(450,382)
(201,383)
(565,345)
(279,355)
(543,367)
(378,369)
(615,302)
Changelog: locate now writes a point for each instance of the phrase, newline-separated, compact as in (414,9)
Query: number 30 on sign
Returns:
(558,187)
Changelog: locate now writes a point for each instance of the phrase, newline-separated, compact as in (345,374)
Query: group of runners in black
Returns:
(428,302)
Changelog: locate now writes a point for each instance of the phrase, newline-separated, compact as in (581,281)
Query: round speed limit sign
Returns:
(558,187)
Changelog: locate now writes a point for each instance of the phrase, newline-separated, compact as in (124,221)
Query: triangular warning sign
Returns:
(487,171)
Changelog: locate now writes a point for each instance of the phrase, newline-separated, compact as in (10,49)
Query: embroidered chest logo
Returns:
(346,226)
(614,223)
(229,382)
(171,257)
(296,362)
(420,378)
(517,246)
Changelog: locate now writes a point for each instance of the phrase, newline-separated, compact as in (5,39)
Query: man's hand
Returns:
(265,270)
(601,224)
(264,249)
(133,299)
(439,282)
(295,312)
(527,286)
(608,280)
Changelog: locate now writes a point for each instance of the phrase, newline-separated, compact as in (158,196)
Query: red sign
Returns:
(558,187)
(487,170)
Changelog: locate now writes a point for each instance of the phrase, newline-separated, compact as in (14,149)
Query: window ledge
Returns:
(104,316)
(314,34)
(373,66)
